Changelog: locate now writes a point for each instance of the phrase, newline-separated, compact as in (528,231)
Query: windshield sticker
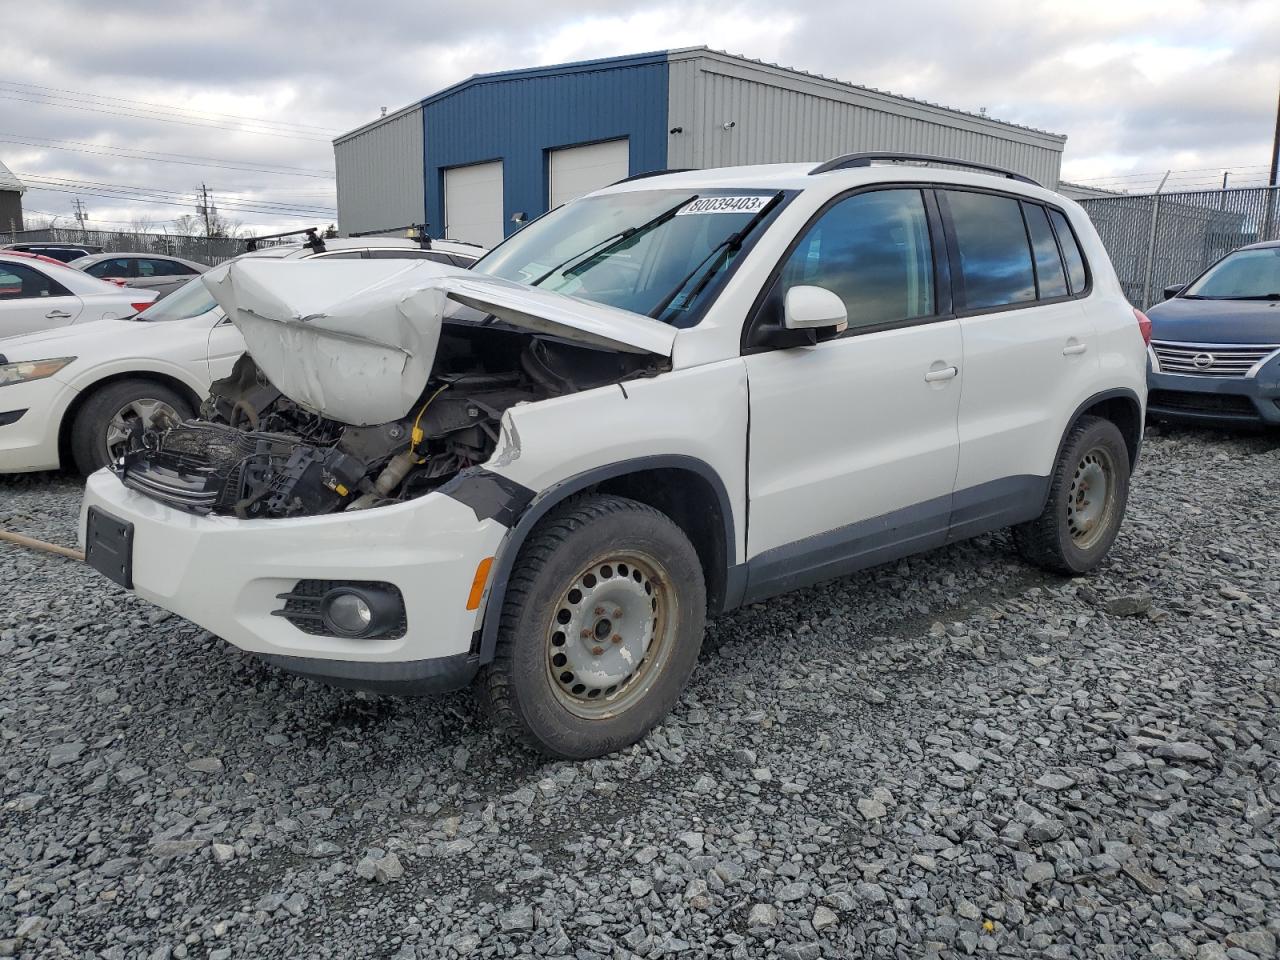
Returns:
(724,205)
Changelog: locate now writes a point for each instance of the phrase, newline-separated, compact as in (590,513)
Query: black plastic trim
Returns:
(894,535)
(10,416)
(490,495)
(549,498)
(404,678)
(1119,393)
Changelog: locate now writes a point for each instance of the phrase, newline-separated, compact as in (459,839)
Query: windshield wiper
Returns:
(602,247)
(1260,296)
(726,246)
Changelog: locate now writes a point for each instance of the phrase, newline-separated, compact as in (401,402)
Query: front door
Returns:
(853,440)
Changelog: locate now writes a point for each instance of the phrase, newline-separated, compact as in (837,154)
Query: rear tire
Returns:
(601,626)
(99,420)
(1087,497)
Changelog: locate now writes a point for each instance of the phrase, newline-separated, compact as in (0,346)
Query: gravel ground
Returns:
(953,755)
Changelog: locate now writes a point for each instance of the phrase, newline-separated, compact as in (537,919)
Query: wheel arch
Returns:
(84,393)
(1123,408)
(686,489)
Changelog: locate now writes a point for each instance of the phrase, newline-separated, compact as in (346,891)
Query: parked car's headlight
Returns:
(21,371)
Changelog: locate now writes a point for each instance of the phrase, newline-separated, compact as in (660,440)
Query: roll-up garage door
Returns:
(473,203)
(579,170)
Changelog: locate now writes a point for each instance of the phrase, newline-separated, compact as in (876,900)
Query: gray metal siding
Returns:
(379,172)
(782,116)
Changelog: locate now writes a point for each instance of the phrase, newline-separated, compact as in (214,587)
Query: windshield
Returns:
(1243,275)
(189,300)
(653,252)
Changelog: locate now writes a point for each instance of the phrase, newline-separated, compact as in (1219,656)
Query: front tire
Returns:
(1087,497)
(601,626)
(103,423)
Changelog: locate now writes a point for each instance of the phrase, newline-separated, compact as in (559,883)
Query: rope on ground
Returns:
(31,543)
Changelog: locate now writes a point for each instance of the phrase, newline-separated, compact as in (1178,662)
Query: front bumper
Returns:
(225,574)
(30,441)
(1216,400)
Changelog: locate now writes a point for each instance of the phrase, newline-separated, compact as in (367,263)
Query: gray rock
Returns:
(871,809)
(205,765)
(518,917)
(762,915)
(1184,750)
(1055,781)
(1038,872)
(966,761)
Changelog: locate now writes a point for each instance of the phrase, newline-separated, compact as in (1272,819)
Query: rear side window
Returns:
(1076,271)
(995,258)
(873,251)
(1049,272)
(116,267)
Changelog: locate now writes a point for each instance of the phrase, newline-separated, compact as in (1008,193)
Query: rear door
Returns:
(31,301)
(853,441)
(1030,352)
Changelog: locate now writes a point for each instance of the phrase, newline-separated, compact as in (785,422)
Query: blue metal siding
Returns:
(517,117)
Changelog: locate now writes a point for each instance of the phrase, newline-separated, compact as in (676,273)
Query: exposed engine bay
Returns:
(255,453)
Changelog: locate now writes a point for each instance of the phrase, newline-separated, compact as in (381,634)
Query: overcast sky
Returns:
(1138,86)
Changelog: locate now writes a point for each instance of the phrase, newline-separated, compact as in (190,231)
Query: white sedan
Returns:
(78,394)
(38,294)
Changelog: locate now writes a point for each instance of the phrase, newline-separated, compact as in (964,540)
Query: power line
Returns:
(1233,167)
(168,196)
(154,157)
(4,95)
(205,114)
(299,215)
(186,195)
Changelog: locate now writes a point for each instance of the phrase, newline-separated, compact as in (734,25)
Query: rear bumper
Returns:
(1216,400)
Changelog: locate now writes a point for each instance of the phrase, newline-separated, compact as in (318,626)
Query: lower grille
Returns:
(1219,404)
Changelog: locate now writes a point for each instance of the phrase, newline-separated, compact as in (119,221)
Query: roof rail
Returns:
(412,231)
(313,239)
(866,159)
(650,173)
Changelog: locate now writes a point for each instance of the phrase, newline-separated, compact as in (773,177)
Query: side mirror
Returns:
(1173,290)
(813,308)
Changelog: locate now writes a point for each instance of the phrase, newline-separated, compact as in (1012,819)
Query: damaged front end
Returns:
(293,431)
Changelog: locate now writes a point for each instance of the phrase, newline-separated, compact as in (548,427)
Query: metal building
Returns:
(483,156)
(11,191)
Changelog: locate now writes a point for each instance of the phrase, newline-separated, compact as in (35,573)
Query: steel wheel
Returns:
(610,635)
(1091,498)
(124,421)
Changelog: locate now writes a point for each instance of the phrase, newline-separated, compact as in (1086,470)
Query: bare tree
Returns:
(188,225)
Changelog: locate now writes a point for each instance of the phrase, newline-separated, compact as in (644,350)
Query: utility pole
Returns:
(1275,150)
(206,209)
(82,216)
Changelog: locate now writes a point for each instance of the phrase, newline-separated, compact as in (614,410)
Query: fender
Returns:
(468,490)
(141,367)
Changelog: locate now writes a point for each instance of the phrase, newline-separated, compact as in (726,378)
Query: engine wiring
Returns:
(416,435)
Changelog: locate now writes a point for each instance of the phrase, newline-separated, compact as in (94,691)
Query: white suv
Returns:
(674,396)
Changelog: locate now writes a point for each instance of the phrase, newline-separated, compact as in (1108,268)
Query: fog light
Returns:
(349,612)
(360,611)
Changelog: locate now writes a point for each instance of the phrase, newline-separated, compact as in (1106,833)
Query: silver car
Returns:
(148,271)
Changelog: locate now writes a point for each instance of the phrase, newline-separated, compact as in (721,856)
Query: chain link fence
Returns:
(208,250)
(1160,239)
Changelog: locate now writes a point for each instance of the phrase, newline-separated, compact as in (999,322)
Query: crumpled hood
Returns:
(355,340)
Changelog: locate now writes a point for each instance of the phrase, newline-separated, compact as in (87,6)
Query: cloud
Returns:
(1138,86)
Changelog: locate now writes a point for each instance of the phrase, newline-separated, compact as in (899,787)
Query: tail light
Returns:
(118,281)
(1144,325)
(139,307)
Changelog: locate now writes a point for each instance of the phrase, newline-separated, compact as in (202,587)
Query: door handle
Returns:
(946,373)
(57,315)
(1074,348)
